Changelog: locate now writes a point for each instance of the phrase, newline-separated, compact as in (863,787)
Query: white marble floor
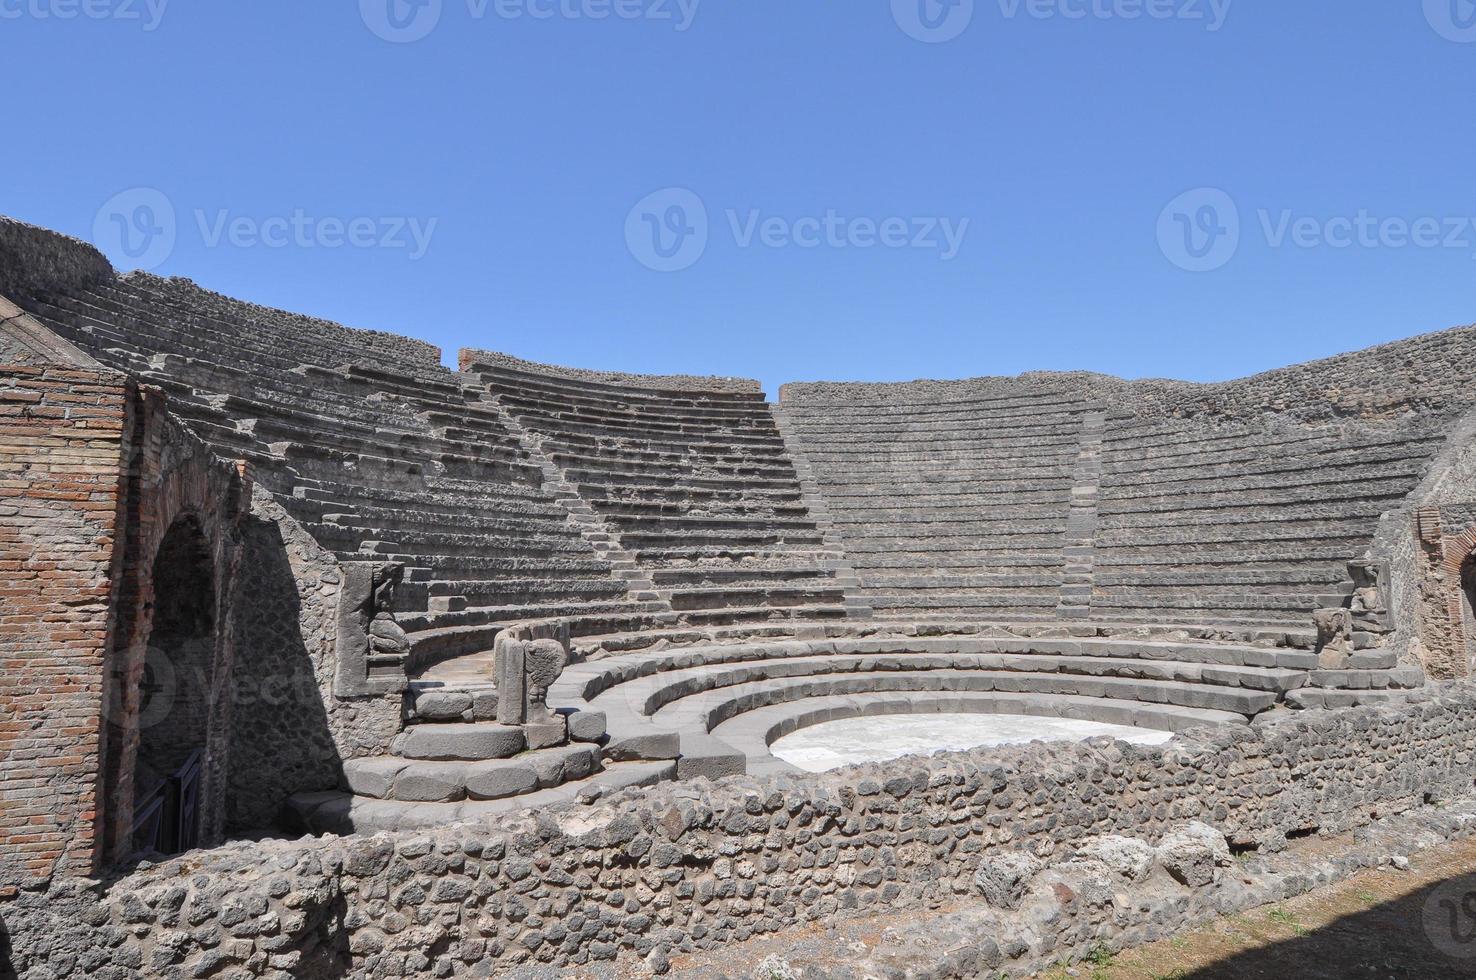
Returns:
(881,737)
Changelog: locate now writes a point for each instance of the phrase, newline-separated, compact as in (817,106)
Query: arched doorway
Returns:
(1468,606)
(174,699)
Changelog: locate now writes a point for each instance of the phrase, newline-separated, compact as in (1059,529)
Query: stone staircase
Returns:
(1081,520)
(693,481)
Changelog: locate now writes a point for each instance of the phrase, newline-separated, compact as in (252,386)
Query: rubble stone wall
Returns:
(33,260)
(700,865)
(291,734)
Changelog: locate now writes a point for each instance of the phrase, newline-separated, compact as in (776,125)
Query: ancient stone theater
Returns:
(321,659)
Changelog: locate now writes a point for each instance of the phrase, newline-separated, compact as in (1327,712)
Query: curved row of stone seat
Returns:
(950,504)
(1260,522)
(670,702)
(697,702)
(379,461)
(694,482)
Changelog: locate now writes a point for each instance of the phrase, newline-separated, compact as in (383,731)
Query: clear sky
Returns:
(781,189)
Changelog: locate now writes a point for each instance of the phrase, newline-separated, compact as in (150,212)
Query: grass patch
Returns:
(1282,917)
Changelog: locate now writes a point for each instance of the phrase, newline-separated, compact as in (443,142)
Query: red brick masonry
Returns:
(61,471)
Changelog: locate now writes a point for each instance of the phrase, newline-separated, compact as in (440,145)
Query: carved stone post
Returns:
(371,647)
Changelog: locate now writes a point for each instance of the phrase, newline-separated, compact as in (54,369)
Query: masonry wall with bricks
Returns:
(62,434)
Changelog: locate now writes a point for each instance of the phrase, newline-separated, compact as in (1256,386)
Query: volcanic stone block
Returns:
(587,726)
(479,741)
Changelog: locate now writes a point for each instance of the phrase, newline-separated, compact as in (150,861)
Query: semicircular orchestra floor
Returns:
(851,741)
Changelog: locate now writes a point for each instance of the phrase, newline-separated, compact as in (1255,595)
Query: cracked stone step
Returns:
(463,742)
(416,781)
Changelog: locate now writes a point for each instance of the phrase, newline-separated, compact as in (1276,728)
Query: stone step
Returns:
(413,781)
(460,742)
(343,813)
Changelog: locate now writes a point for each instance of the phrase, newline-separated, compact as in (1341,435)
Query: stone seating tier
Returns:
(677,700)
(389,460)
(1260,523)
(687,480)
(947,506)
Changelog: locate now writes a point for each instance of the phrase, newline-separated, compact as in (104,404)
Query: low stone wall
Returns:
(699,865)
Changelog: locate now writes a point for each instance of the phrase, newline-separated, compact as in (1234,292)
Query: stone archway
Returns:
(175,703)
(1468,606)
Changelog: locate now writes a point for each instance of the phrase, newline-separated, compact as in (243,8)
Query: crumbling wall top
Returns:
(1420,376)
(472,359)
(35,260)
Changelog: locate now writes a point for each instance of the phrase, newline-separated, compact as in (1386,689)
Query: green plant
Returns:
(1281,916)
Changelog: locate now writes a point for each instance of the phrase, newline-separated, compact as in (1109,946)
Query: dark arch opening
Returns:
(175,703)
(1468,606)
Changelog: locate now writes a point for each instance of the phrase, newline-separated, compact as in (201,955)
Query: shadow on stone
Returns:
(281,742)
(1427,934)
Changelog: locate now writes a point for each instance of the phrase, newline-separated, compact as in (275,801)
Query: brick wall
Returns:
(61,449)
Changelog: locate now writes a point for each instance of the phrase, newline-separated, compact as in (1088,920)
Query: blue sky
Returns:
(837,189)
